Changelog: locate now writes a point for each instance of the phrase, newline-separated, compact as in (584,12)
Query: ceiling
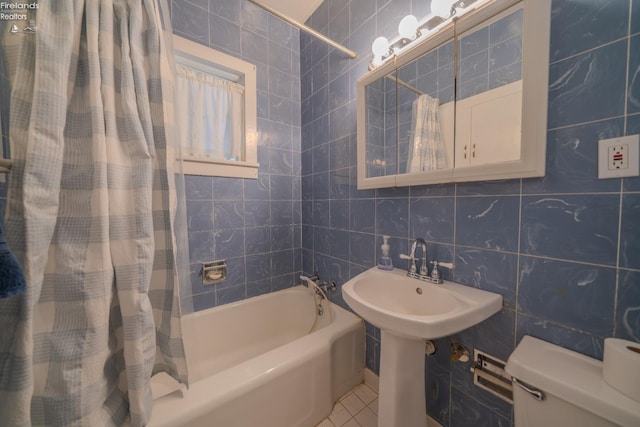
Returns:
(300,10)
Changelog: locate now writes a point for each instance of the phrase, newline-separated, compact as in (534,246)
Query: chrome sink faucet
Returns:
(423,273)
(412,271)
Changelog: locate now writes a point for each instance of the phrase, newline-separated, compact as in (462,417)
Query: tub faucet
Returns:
(319,288)
(412,270)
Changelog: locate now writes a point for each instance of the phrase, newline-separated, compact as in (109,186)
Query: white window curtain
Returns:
(211,121)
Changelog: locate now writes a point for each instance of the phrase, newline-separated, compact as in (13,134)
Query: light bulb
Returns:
(380,47)
(408,28)
(441,8)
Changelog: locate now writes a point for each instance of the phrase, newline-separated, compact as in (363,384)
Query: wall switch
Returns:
(619,157)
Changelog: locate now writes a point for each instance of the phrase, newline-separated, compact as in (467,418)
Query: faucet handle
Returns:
(435,274)
(413,267)
(448,265)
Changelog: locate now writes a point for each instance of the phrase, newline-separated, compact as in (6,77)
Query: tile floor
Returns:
(358,408)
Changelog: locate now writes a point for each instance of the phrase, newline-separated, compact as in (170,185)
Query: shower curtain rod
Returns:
(5,165)
(405,84)
(306,29)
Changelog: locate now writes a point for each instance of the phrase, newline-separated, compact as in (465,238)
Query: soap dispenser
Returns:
(385,262)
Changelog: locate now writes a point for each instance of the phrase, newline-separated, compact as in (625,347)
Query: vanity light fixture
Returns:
(442,8)
(410,30)
(380,49)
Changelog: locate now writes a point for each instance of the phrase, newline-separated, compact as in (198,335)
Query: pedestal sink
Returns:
(408,312)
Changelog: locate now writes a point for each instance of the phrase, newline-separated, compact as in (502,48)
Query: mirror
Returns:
(426,121)
(467,103)
(489,91)
(381,140)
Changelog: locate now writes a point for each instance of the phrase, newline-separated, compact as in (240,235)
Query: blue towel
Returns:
(12,281)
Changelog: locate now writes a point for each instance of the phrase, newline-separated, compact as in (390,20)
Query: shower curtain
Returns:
(426,147)
(89,215)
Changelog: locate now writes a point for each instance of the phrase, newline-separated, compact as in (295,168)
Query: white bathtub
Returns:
(254,363)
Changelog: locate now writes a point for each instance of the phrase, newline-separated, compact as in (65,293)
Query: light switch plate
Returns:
(619,157)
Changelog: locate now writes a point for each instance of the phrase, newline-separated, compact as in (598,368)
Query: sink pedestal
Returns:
(401,398)
(408,312)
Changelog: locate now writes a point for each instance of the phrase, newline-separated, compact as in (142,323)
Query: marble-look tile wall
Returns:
(253,224)
(563,250)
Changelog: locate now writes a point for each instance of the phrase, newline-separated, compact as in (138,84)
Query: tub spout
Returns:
(313,285)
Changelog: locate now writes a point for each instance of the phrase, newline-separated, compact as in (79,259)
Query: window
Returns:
(216,95)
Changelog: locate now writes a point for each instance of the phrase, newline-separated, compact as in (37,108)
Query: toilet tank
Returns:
(574,392)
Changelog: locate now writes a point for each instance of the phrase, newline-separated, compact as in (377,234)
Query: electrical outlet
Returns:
(619,157)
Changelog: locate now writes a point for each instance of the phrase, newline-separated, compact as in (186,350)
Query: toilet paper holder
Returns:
(489,374)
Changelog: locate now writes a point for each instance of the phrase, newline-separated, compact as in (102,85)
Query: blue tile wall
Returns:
(634,74)
(254,224)
(595,80)
(635,16)
(563,250)
(579,26)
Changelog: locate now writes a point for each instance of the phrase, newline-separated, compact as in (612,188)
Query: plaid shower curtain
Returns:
(426,147)
(89,215)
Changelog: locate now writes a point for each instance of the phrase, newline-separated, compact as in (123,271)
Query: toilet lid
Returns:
(572,377)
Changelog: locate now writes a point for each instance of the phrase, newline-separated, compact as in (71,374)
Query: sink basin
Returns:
(409,307)
(409,311)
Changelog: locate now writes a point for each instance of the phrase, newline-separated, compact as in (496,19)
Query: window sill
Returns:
(223,168)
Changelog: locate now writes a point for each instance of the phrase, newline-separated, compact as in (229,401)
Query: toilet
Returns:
(554,386)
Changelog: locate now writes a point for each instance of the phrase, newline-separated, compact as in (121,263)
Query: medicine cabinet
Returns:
(486,77)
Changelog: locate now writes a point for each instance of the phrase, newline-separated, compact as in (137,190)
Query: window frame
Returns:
(247,168)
